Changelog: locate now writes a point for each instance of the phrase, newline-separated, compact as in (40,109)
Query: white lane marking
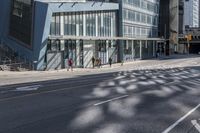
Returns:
(180,120)
(25,88)
(28,88)
(113,99)
(58,81)
(196,124)
(46,92)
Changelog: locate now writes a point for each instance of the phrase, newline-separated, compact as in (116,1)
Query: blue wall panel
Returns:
(5,7)
(41,32)
(4,16)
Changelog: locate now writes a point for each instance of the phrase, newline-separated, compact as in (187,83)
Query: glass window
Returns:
(73,22)
(53,27)
(138,31)
(69,24)
(65,23)
(81,24)
(143,19)
(57,18)
(149,19)
(137,16)
(21,20)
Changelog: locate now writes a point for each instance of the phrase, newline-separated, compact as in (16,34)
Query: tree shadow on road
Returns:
(156,99)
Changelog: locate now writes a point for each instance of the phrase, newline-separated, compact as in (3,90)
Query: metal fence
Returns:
(11,61)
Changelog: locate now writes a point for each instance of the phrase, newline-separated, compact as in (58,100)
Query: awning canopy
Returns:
(64,37)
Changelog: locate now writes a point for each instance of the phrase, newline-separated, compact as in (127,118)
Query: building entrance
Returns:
(101,51)
(73,50)
(105,50)
(131,50)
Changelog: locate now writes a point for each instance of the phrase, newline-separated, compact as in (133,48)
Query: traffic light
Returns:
(188,37)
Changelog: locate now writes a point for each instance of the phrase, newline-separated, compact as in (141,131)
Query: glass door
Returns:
(70,51)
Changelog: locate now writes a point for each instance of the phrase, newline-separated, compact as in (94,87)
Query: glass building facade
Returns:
(87,24)
(139,20)
(98,23)
(21,20)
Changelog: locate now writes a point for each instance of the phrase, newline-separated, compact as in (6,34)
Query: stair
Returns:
(10,61)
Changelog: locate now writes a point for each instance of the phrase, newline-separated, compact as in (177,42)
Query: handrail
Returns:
(9,60)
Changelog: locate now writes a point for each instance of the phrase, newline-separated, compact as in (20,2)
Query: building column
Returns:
(154,48)
(77,53)
(140,49)
(62,42)
(133,49)
(62,47)
(96,19)
(112,30)
(77,46)
(107,50)
(84,25)
(61,24)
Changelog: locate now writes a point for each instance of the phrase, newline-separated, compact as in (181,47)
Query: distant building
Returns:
(191,13)
(171,23)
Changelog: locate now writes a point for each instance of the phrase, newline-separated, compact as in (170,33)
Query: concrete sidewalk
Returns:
(174,61)
(8,78)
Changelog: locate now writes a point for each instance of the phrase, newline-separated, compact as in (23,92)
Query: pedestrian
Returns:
(157,53)
(122,62)
(110,61)
(70,64)
(93,61)
(163,51)
(100,63)
(97,62)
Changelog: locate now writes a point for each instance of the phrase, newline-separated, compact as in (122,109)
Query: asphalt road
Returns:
(133,101)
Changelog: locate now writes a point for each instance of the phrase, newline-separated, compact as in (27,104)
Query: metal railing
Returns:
(11,61)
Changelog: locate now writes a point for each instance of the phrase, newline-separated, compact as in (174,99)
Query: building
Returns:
(191,13)
(50,32)
(33,24)
(189,27)
(139,19)
(171,23)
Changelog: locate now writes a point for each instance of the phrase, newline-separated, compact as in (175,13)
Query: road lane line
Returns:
(180,120)
(196,125)
(46,92)
(49,82)
(28,88)
(110,100)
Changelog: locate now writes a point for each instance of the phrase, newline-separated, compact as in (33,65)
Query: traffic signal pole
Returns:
(189,38)
(188,46)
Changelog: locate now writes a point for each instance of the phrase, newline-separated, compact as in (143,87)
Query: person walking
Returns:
(70,64)
(110,62)
(100,63)
(157,53)
(93,61)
